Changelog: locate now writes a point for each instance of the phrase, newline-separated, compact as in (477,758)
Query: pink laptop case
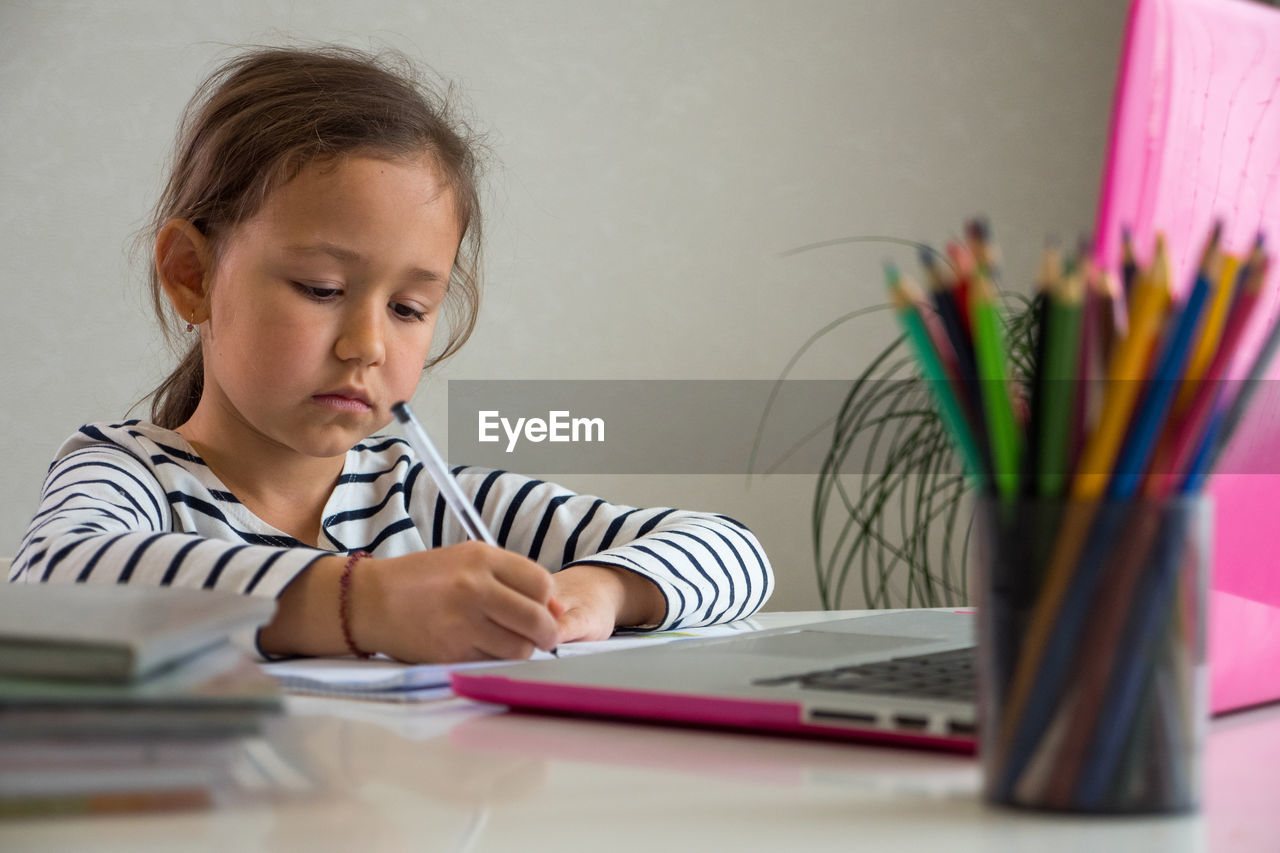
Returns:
(1195,136)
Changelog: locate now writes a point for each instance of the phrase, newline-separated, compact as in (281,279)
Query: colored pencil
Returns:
(1006,440)
(1059,386)
(1181,443)
(943,295)
(961,260)
(1145,429)
(949,408)
(1153,607)
(1208,342)
(1083,410)
(1125,376)
(1128,266)
(977,233)
(1234,410)
(1093,691)
(1048,281)
(1098,647)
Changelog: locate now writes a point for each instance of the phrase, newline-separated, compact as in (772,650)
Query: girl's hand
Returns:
(465,602)
(595,599)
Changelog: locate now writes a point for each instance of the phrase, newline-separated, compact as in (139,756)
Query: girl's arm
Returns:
(104,518)
(672,568)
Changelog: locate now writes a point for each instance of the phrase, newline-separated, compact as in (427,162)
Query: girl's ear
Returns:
(183,265)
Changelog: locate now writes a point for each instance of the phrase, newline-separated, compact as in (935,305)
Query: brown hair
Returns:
(263,116)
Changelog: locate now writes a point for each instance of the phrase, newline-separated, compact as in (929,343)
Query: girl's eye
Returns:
(406,312)
(316,292)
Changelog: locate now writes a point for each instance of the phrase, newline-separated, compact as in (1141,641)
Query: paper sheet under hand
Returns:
(386,680)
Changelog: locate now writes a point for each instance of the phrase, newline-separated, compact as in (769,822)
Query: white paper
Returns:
(388,680)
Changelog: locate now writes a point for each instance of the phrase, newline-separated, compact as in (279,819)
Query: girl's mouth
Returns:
(342,403)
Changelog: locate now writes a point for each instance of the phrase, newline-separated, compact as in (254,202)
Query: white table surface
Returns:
(456,775)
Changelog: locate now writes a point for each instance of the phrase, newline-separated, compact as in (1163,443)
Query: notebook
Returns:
(115,632)
(904,677)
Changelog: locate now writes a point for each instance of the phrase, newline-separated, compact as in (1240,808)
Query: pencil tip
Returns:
(891,273)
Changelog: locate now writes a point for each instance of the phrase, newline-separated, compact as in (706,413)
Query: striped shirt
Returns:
(134,503)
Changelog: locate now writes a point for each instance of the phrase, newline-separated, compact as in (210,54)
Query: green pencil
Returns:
(949,408)
(1058,386)
(993,376)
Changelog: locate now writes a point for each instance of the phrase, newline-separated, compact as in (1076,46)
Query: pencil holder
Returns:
(1091,654)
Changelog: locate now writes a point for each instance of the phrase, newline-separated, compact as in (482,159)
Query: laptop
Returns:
(904,677)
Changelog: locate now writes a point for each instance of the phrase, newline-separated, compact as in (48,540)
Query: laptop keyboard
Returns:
(940,675)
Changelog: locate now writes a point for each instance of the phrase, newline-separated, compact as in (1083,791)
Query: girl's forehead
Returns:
(359,212)
(354,187)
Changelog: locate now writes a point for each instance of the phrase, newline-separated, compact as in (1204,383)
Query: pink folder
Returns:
(1195,136)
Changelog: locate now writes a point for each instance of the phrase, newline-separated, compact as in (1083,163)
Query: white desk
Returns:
(453,775)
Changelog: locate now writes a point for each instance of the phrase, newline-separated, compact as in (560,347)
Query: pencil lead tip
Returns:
(891,273)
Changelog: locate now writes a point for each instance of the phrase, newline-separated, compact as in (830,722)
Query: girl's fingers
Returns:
(498,643)
(521,616)
(522,575)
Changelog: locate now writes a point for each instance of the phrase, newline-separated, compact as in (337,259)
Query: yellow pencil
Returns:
(1210,333)
(1128,367)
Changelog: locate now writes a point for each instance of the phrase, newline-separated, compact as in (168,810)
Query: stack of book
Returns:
(123,698)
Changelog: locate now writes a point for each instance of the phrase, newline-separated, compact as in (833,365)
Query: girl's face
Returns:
(322,306)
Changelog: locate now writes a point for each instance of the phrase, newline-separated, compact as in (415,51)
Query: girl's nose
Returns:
(362,336)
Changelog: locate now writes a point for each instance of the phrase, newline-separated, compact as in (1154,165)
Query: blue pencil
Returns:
(1146,427)
(1137,652)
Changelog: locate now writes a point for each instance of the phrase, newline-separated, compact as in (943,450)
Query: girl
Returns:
(322,212)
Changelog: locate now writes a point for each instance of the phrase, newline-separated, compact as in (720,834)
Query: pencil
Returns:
(945,327)
(978,235)
(1124,380)
(465,511)
(961,281)
(949,408)
(1154,601)
(1150,417)
(993,375)
(1085,535)
(454,497)
(1048,281)
(1178,448)
(1128,266)
(1058,386)
(1098,644)
(1083,414)
(1207,342)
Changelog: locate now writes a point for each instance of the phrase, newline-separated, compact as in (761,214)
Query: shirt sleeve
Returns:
(103,518)
(709,568)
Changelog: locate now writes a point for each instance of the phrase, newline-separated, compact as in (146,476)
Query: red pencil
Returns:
(962,265)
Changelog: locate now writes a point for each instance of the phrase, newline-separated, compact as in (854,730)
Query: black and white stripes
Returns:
(133,503)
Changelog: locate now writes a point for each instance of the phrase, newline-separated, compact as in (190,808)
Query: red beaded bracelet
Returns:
(344,604)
